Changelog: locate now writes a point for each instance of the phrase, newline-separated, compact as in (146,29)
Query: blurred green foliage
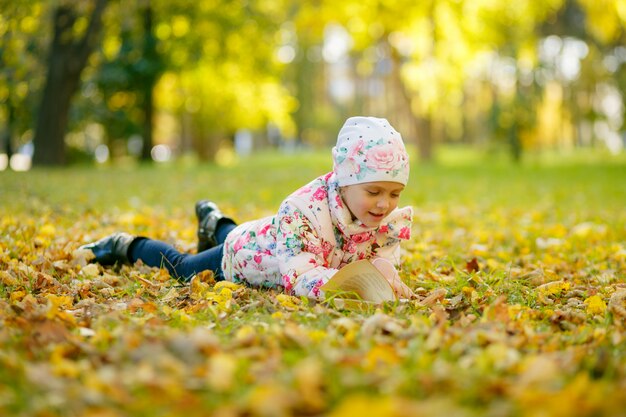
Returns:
(495,75)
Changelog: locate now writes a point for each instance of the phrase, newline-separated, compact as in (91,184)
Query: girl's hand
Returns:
(389,272)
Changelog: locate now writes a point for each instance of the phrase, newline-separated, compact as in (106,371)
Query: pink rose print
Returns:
(405,233)
(314,249)
(357,149)
(316,288)
(339,201)
(384,158)
(384,228)
(240,242)
(327,248)
(349,246)
(287,283)
(361,237)
(319,194)
(263,231)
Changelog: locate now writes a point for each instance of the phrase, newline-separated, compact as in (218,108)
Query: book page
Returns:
(363,279)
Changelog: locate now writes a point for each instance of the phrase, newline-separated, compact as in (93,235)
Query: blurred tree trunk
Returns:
(7,143)
(205,140)
(421,125)
(67,59)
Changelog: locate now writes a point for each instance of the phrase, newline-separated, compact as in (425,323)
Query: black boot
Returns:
(209,215)
(111,249)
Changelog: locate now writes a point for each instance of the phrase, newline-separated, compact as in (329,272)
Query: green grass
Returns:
(577,182)
(516,337)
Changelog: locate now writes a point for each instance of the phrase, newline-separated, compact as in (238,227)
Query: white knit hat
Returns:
(369,149)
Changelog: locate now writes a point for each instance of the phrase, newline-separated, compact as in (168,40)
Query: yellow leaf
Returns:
(61,366)
(554,287)
(198,289)
(380,356)
(360,405)
(59,301)
(317,335)
(17,295)
(278,315)
(55,304)
(91,270)
(595,305)
(7,279)
(47,230)
(226,284)
(288,301)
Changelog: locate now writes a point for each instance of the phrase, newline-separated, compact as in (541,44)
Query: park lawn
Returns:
(521,272)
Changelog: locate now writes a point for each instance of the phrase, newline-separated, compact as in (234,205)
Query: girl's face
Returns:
(371,202)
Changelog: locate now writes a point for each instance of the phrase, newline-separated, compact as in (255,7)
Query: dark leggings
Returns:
(182,266)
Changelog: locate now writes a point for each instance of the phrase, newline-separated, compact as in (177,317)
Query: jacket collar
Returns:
(391,226)
(340,214)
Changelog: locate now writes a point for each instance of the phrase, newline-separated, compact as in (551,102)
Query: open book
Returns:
(356,283)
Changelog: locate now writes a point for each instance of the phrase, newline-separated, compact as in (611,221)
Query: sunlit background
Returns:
(160,80)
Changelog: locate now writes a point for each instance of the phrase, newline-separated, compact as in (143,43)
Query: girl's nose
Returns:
(383,203)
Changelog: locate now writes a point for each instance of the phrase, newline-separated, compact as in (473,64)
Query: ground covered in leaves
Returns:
(521,273)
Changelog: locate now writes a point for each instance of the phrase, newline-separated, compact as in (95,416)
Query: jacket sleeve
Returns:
(396,230)
(302,253)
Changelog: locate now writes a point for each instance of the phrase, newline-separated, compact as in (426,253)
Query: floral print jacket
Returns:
(309,240)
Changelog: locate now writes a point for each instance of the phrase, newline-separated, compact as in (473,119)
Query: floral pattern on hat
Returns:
(367,160)
(369,149)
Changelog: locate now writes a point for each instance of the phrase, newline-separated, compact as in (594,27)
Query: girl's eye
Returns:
(372,192)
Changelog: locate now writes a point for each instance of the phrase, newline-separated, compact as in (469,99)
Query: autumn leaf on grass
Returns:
(546,291)
(56,308)
(227,284)
(289,302)
(221,294)
(90,270)
(7,279)
(381,357)
(82,257)
(595,305)
(381,323)
(435,295)
(472,266)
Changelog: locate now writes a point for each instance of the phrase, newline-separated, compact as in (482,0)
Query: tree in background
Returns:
(20,74)
(490,74)
(126,78)
(222,73)
(67,58)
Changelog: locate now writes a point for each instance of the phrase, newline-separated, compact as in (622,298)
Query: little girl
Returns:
(343,216)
